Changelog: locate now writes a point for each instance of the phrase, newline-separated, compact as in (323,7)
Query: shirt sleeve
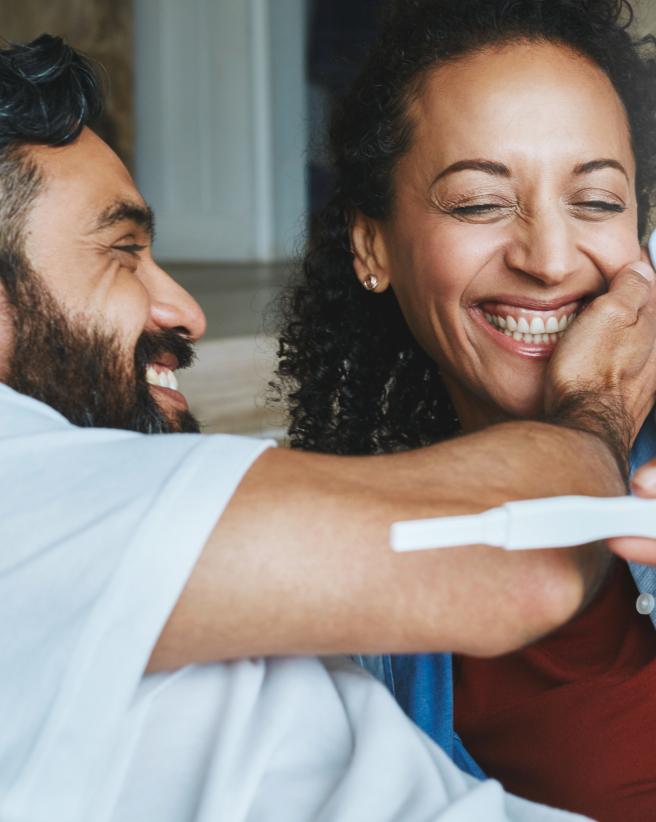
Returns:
(99,531)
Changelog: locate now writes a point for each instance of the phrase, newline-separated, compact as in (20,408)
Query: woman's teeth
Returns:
(537,331)
(164,378)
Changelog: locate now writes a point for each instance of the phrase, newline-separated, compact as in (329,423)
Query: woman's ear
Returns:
(369,253)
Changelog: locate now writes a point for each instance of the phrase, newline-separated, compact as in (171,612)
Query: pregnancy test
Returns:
(652,248)
(554,522)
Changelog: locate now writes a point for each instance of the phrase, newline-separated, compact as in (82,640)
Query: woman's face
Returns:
(513,208)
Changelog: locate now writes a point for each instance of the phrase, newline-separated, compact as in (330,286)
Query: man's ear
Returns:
(369,253)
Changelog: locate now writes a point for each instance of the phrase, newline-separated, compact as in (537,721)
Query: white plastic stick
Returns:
(554,522)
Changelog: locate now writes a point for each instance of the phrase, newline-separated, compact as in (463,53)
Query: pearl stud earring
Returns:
(370,282)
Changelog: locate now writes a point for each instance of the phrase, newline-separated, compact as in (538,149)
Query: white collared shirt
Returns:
(99,531)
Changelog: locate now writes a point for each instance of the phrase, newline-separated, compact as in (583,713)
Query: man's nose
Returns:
(172,307)
(543,247)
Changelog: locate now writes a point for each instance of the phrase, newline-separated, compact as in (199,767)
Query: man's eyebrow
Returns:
(487,166)
(122,210)
(596,165)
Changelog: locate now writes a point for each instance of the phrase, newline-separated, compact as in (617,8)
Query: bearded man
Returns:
(153,580)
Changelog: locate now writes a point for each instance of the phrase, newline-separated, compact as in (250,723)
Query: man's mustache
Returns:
(152,344)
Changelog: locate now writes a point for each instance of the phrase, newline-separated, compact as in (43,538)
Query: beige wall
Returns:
(646,16)
(103,29)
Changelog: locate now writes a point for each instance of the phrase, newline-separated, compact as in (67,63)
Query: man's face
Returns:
(99,328)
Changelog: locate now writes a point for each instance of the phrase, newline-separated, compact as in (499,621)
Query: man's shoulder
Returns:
(32,432)
(20,414)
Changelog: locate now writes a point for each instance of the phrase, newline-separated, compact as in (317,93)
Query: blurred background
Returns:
(219,108)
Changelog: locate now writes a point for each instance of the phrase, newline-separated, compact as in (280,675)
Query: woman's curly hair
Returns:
(355,379)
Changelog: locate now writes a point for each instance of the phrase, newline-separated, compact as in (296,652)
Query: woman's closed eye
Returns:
(480,212)
(593,209)
(479,208)
(601,206)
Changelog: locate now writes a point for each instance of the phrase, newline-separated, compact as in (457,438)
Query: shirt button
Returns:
(645,604)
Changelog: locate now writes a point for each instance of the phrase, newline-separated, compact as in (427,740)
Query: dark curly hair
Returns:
(355,379)
(48,93)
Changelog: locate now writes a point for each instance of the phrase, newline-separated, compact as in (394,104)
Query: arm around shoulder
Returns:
(300,562)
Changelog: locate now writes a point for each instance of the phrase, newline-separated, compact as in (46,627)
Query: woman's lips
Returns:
(527,332)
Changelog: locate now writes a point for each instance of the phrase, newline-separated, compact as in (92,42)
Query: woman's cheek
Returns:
(612,247)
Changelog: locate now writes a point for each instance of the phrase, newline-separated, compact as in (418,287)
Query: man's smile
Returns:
(160,375)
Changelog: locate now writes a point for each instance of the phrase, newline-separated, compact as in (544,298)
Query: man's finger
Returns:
(643,483)
(636,275)
(635,549)
(629,292)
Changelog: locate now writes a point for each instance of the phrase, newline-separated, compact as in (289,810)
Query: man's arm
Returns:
(300,561)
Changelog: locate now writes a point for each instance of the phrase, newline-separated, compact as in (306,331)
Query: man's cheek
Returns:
(130,299)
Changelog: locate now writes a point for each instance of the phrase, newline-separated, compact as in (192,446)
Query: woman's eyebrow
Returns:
(596,165)
(499,169)
(487,166)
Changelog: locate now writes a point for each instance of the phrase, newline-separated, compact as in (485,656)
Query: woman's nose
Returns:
(544,248)
(172,307)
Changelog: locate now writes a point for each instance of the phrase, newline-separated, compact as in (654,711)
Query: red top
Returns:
(571,721)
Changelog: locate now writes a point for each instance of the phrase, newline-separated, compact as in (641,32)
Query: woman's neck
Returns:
(474,413)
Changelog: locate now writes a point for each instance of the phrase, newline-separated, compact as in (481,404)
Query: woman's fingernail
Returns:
(645,480)
(644,269)
(652,247)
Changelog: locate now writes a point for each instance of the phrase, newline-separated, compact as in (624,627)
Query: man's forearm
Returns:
(300,561)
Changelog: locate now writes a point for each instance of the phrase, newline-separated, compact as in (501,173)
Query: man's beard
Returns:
(84,372)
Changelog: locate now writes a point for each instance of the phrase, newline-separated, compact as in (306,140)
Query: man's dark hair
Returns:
(48,93)
(357,381)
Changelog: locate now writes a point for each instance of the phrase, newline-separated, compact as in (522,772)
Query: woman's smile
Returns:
(525,339)
(522,328)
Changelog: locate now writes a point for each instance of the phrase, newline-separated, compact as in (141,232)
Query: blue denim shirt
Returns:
(423,683)
(644,450)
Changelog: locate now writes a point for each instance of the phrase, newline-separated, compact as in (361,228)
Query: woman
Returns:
(494,165)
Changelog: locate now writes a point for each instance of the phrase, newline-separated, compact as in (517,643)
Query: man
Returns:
(123,553)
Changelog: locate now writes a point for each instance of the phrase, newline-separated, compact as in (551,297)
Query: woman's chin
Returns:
(519,393)
(530,406)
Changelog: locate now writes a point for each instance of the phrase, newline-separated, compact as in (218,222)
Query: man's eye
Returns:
(132,248)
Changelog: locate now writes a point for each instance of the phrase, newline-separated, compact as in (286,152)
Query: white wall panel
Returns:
(211,111)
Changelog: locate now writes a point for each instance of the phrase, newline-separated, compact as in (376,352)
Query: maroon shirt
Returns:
(571,721)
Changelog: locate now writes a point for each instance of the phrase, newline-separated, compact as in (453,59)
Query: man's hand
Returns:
(637,549)
(602,377)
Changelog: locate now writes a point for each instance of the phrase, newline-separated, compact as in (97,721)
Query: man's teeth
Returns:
(164,378)
(537,331)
